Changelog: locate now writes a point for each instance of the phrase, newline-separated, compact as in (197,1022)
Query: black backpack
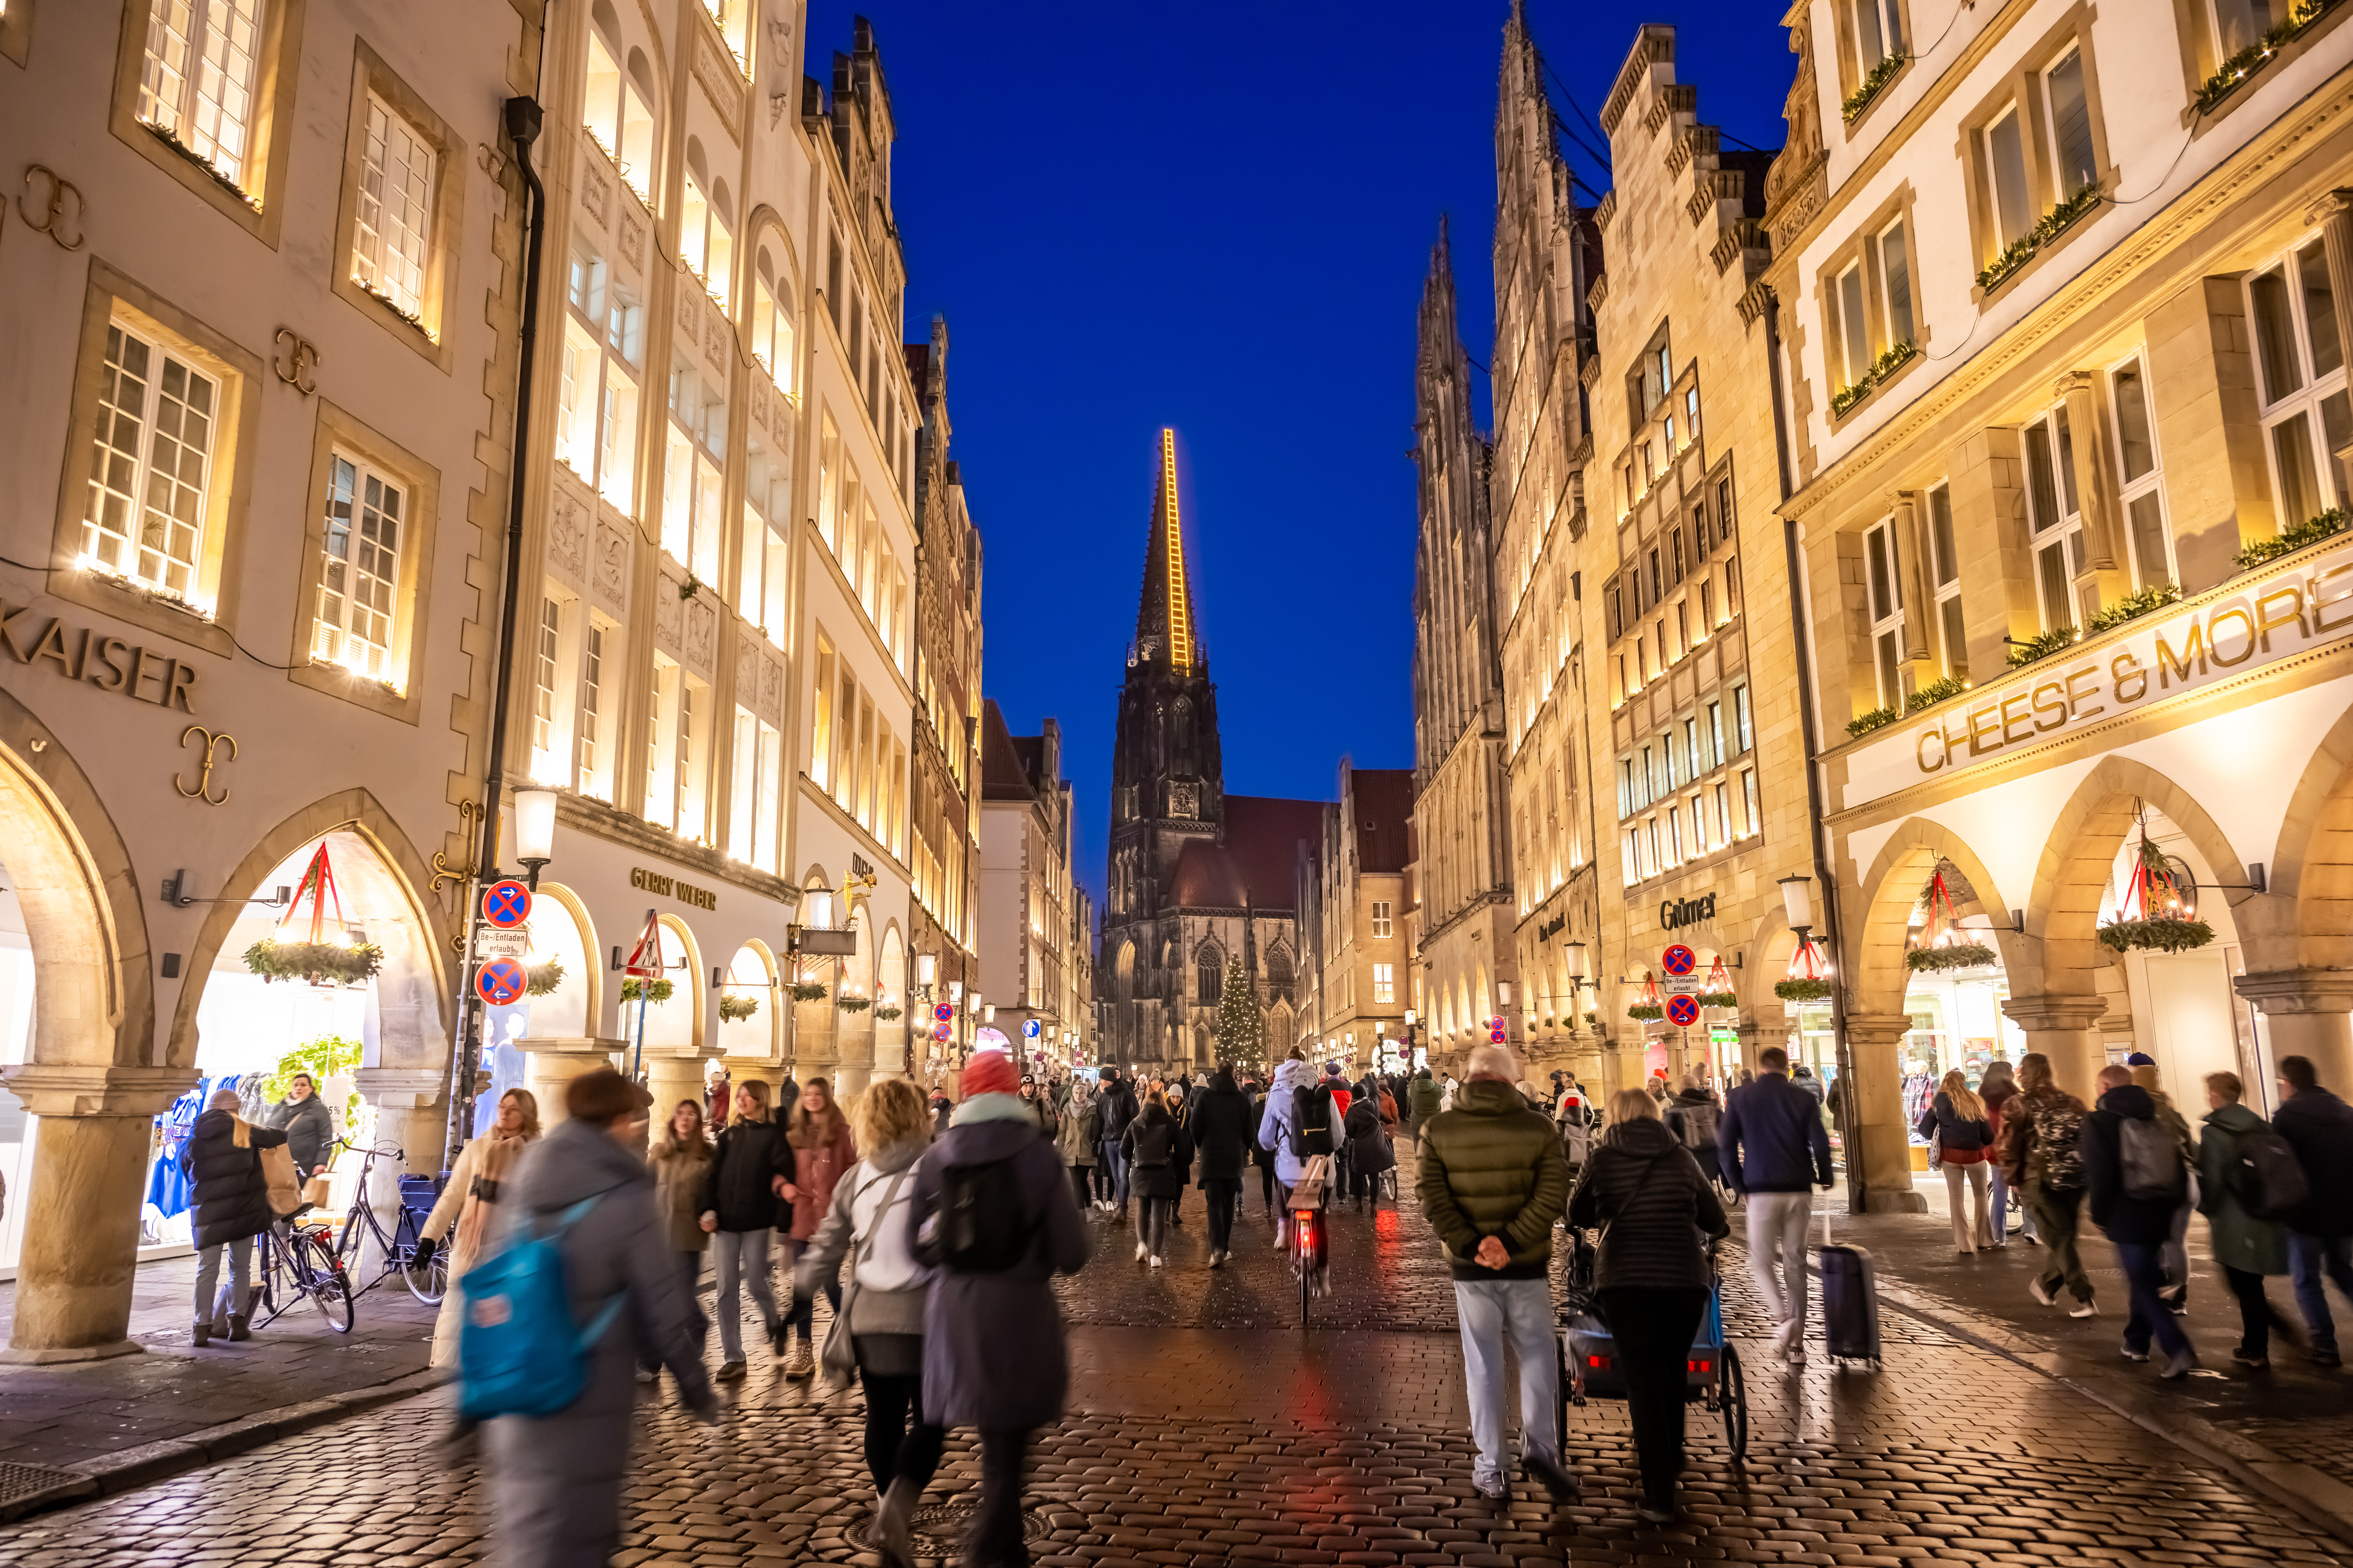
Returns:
(1311,1119)
(982,1227)
(2265,1177)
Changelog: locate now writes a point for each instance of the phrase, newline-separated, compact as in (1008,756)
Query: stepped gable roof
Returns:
(1383,798)
(1003,775)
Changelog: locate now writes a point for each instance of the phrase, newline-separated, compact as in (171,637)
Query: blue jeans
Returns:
(2310,1258)
(1115,1160)
(2143,1272)
(1490,1311)
(1999,1203)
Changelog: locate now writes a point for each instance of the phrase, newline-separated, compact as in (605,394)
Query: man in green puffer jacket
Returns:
(1422,1100)
(1492,1181)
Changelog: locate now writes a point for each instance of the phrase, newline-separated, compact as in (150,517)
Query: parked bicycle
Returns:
(428,1281)
(293,1264)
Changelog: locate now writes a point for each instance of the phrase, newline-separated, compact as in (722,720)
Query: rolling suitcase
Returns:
(1850,1302)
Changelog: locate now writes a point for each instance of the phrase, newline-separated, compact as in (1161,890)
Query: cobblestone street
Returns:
(1207,1427)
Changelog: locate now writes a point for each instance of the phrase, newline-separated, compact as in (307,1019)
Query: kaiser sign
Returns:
(2225,635)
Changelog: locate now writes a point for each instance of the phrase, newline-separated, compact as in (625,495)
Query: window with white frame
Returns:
(706,240)
(821,721)
(661,776)
(150,485)
(616,106)
(546,683)
(196,80)
(1878,33)
(735,19)
(2240,24)
(1748,798)
(597,403)
(2300,382)
(392,245)
(2141,475)
(1896,286)
(2009,200)
(1854,330)
(1884,604)
(2074,162)
(1741,723)
(592,750)
(692,529)
(1383,923)
(2056,520)
(752,786)
(359,577)
(1944,566)
(772,325)
(1383,985)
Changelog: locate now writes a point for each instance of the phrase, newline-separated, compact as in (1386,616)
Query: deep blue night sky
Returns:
(1219,218)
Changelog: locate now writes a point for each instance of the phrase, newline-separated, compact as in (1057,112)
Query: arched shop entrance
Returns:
(671,1027)
(564,998)
(77,1051)
(752,1011)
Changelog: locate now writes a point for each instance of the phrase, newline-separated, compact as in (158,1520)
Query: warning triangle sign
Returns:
(646,958)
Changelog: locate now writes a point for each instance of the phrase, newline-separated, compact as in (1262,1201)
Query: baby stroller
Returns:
(1589,1352)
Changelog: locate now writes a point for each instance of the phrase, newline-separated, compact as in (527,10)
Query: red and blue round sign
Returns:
(501,982)
(940,1032)
(942,1014)
(1682,1010)
(506,904)
(1678,959)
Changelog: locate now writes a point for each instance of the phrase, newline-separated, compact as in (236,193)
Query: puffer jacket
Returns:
(1422,1099)
(231,1200)
(740,1186)
(1080,1130)
(308,1127)
(1654,1208)
(1492,1166)
(1368,1143)
(2125,1217)
(1117,1106)
(2249,1245)
(1220,1127)
(2041,1141)
(1274,1122)
(1159,1154)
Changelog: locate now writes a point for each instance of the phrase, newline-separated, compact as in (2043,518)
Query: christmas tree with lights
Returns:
(1241,1031)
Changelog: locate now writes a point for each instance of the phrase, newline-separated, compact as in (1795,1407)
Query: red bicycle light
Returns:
(1700,1365)
(1600,1361)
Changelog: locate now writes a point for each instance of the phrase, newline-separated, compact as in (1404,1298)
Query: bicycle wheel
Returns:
(430,1283)
(1732,1393)
(326,1284)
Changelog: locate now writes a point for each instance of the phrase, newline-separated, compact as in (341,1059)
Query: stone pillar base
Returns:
(15,1357)
(2307,1012)
(555,1063)
(672,1078)
(1882,1200)
(81,1235)
(1876,1134)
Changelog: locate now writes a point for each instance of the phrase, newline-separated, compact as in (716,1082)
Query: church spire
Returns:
(1164,614)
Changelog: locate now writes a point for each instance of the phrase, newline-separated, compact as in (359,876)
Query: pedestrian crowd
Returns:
(933,1225)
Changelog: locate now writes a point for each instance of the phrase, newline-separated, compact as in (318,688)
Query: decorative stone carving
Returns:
(567,525)
(610,581)
(1801,110)
(596,190)
(747,667)
(668,619)
(772,688)
(721,80)
(702,633)
(633,237)
(718,339)
(689,313)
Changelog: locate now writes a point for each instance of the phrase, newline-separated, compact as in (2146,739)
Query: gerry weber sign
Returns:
(2275,616)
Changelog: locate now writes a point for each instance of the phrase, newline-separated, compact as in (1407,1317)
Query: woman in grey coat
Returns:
(557,1479)
(995,1353)
(879,1335)
(309,1125)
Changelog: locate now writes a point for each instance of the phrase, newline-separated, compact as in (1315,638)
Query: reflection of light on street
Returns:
(1385,1225)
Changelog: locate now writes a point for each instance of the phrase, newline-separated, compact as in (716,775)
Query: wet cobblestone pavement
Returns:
(1207,1427)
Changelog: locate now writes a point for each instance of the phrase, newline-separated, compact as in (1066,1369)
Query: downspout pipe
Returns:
(522,122)
(1856,1187)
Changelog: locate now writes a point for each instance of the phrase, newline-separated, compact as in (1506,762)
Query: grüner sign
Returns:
(2226,633)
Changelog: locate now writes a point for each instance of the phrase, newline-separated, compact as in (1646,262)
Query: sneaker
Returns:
(729,1372)
(2179,1309)
(803,1361)
(2086,1309)
(1547,1471)
(2324,1356)
(1155,1261)
(1651,1512)
(2131,1354)
(1217,1261)
(1282,1234)
(1143,1250)
(2178,1364)
(2253,1360)
(2042,1292)
(1496,1490)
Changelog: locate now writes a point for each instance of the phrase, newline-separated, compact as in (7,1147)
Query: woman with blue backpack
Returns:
(579,1287)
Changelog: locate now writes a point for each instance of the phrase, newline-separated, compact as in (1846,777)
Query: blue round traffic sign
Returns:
(1678,959)
(1029,1028)
(1682,1010)
(501,982)
(506,904)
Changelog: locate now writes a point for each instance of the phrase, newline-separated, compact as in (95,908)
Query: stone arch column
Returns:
(92,1075)
(2298,938)
(566,1042)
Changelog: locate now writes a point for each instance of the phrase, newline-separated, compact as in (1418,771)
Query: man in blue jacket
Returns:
(1773,1150)
(2125,1151)
(2319,1127)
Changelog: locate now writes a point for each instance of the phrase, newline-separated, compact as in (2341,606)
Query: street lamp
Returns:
(534,830)
(927,970)
(1798,904)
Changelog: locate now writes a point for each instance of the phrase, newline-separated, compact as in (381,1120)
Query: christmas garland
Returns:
(808,991)
(886,1014)
(315,961)
(735,1009)
(657,993)
(2155,936)
(1802,989)
(1961,955)
(543,978)
(1646,1011)
(1719,999)
(852,1004)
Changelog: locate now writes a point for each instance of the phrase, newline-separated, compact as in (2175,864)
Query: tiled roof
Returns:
(1002,776)
(1384,802)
